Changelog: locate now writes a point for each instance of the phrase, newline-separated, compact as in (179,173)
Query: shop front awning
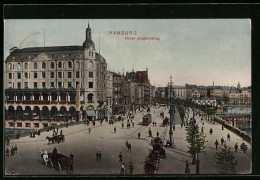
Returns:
(91,113)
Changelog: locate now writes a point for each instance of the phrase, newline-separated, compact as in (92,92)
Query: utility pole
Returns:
(171,112)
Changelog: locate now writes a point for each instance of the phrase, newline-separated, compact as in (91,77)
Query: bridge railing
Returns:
(237,131)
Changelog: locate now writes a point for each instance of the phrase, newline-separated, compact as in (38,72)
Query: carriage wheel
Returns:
(49,164)
(58,166)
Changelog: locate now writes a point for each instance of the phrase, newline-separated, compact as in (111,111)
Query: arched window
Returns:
(9,66)
(77,65)
(19,66)
(52,65)
(92,53)
(25,66)
(35,65)
(60,65)
(90,98)
(89,53)
(43,65)
(90,64)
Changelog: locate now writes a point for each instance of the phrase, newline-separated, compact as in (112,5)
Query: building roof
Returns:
(54,52)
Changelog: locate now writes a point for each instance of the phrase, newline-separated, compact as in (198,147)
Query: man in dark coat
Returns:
(55,151)
(216,143)
(120,157)
(129,147)
(236,147)
(99,156)
(222,141)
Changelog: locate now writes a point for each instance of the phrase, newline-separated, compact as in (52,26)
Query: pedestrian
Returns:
(210,131)
(71,157)
(7,152)
(120,157)
(61,132)
(228,137)
(187,167)
(129,147)
(139,134)
(131,167)
(114,129)
(202,129)
(53,134)
(89,130)
(155,124)
(15,149)
(18,136)
(71,168)
(203,123)
(157,133)
(222,127)
(8,141)
(126,144)
(216,143)
(97,156)
(133,124)
(236,147)
(122,169)
(12,151)
(55,151)
(181,125)
(222,141)
(122,125)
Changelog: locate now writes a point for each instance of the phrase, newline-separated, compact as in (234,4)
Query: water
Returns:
(239,110)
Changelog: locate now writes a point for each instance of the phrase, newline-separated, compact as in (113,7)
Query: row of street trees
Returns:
(225,160)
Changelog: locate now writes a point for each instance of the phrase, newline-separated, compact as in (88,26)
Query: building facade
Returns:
(54,85)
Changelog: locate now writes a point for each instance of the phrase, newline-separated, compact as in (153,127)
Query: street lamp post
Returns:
(171,112)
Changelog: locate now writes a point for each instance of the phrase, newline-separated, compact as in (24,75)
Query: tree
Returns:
(196,140)
(226,161)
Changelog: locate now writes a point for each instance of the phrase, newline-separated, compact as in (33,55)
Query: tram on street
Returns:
(147,119)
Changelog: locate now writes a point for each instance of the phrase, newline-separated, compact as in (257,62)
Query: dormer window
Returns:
(9,66)
(18,66)
(35,65)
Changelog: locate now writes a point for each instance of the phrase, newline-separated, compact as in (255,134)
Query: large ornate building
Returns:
(54,85)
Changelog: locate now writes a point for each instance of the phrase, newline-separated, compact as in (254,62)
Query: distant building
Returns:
(179,92)
(109,95)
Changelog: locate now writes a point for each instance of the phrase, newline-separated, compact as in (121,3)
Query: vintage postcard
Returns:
(127,97)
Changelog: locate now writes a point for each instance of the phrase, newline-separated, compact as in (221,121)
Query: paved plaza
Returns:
(102,137)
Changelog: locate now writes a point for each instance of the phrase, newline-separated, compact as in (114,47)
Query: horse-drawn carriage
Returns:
(151,166)
(58,138)
(158,149)
(58,161)
(166,121)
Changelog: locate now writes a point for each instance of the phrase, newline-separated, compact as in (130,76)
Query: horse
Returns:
(50,139)
(45,158)
(61,138)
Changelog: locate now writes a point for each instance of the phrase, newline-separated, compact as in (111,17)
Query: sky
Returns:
(192,51)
